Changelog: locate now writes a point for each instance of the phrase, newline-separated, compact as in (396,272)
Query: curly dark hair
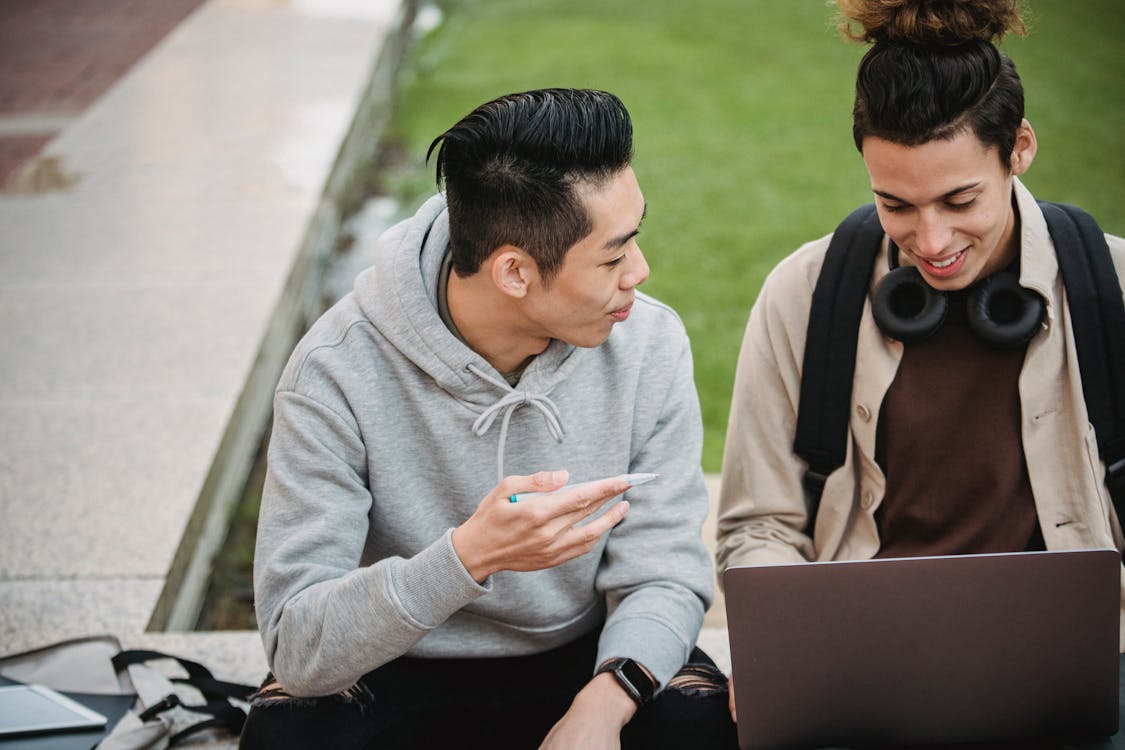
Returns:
(933,71)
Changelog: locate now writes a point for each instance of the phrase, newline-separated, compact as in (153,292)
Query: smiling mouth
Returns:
(943,267)
(945,263)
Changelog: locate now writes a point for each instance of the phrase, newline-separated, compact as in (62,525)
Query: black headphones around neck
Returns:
(1000,311)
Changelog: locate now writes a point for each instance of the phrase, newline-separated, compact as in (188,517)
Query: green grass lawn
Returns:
(742,113)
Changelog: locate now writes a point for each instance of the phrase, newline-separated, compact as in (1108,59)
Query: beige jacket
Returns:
(762,503)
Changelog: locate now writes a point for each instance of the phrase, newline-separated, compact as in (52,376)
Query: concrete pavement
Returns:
(150,294)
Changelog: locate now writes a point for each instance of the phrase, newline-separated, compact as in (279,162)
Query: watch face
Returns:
(638,678)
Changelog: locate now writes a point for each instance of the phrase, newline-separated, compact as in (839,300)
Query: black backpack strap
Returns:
(198,677)
(1094,299)
(830,349)
(216,693)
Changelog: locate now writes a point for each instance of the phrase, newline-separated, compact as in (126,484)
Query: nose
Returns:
(932,234)
(637,271)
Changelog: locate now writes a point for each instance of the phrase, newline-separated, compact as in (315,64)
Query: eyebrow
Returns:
(616,242)
(948,194)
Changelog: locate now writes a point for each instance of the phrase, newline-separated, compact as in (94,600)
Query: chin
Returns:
(587,340)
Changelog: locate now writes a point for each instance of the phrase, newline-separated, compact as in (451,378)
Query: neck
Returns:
(1009,247)
(489,322)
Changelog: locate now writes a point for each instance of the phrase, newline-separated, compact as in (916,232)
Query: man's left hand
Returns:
(595,718)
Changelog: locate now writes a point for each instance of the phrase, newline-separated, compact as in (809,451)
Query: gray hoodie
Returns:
(388,432)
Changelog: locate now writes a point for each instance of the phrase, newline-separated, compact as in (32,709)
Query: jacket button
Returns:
(867,501)
(863,412)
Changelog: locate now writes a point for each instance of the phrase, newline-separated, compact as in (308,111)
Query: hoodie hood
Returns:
(398,295)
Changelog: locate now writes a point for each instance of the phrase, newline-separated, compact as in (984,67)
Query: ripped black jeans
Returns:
(509,702)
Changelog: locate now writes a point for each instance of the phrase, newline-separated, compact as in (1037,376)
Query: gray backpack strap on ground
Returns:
(147,713)
(217,696)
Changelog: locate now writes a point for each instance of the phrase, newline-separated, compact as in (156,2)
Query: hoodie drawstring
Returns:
(513,400)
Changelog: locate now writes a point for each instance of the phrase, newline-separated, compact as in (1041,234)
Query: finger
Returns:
(542,481)
(583,538)
(577,503)
(733,712)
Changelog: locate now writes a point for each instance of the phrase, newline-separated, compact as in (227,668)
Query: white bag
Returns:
(160,717)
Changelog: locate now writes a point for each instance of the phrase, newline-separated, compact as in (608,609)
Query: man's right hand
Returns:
(538,533)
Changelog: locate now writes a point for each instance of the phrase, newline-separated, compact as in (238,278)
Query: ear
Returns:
(512,270)
(1023,153)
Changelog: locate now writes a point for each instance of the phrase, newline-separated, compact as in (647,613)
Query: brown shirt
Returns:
(949,443)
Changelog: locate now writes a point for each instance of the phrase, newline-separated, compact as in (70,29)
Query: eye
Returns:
(615,261)
(962,205)
(893,208)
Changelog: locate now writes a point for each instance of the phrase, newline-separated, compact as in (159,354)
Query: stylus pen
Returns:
(631,479)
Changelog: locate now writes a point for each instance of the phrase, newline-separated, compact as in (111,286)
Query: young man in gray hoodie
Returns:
(498,346)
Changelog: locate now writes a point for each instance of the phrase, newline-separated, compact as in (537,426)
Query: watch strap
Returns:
(632,677)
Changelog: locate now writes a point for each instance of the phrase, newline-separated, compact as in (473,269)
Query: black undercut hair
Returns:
(511,167)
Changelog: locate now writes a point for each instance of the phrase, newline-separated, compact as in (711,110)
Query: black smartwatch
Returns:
(632,677)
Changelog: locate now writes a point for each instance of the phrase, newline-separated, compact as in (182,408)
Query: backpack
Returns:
(146,707)
(1096,308)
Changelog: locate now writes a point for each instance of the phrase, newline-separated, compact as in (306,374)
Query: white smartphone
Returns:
(37,709)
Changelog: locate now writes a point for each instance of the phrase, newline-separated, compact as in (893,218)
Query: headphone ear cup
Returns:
(906,308)
(1003,313)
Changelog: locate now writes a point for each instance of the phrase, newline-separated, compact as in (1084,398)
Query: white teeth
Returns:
(944,263)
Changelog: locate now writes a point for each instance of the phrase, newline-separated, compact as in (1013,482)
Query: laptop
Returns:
(972,648)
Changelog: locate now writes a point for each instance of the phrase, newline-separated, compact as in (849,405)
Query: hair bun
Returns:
(929,22)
